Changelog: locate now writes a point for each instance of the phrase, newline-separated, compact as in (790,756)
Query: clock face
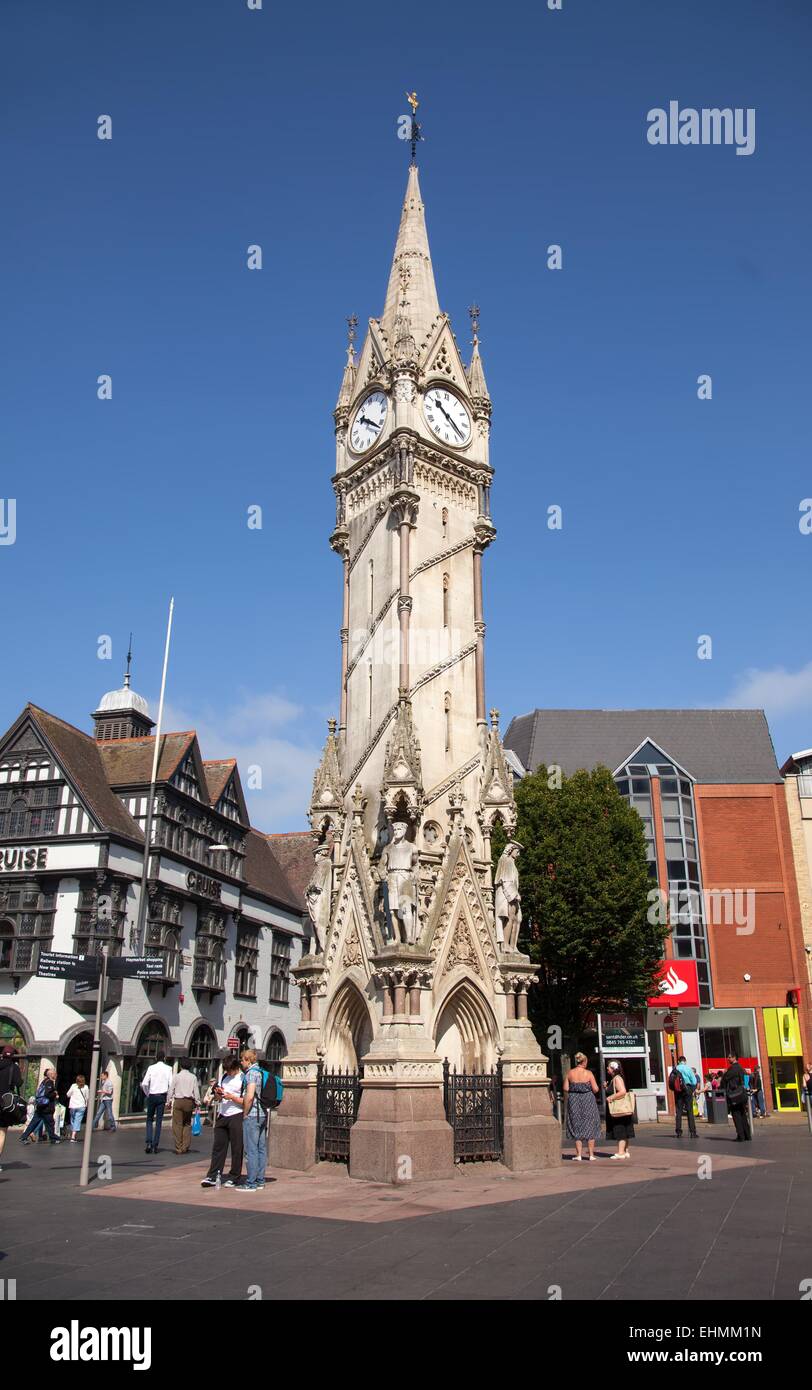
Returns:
(368,422)
(447,416)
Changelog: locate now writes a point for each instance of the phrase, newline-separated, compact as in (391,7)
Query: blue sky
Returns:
(233,127)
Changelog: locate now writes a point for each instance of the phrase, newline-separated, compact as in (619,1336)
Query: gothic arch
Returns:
(465,1029)
(110,1043)
(348,1028)
(20,1021)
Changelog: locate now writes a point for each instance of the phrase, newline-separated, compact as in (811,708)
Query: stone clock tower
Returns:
(413,957)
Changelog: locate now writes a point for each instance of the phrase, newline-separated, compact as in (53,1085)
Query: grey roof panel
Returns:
(713,745)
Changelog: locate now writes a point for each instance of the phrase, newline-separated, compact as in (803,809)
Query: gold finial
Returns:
(411,97)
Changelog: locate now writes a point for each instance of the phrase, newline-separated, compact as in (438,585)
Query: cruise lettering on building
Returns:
(75,1343)
(203,883)
(32,857)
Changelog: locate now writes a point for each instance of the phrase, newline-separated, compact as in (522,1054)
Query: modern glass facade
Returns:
(683,877)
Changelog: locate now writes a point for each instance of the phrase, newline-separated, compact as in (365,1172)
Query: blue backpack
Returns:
(270,1097)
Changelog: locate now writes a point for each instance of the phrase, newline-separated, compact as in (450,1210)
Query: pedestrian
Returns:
(619,1110)
(757,1093)
(45,1099)
(183,1096)
(155,1085)
(733,1084)
(104,1110)
(583,1115)
(806,1096)
(683,1081)
(256,1117)
(227,1127)
(11,1082)
(78,1101)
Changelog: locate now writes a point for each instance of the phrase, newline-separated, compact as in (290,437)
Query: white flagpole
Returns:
(142,901)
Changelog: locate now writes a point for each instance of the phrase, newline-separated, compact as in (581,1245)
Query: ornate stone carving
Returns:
(462,950)
(326,803)
(352,954)
(402,782)
(404,389)
(318,895)
(399,863)
(507,898)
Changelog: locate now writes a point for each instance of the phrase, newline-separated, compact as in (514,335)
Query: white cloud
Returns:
(249,731)
(777,691)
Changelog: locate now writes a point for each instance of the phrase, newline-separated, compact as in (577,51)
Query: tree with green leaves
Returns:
(584,883)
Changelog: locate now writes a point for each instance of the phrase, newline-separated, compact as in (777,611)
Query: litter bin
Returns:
(716,1105)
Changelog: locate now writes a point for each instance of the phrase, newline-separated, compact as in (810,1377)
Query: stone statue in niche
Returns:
(399,863)
(317,895)
(507,898)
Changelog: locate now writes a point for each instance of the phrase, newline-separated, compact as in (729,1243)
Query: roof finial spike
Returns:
(416,135)
(352,325)
(129,662)
(473,314)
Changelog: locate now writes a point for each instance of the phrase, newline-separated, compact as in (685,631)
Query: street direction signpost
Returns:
(62,965)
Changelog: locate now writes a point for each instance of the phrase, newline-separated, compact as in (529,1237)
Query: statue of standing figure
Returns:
(399,865)
(318,894)
(507,898)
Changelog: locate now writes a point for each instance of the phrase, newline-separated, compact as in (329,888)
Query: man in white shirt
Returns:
(155,1085)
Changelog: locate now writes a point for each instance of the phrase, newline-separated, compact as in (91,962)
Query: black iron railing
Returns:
(474,1108)
(338,1095)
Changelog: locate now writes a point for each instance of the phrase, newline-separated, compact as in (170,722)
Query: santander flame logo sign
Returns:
(678,984)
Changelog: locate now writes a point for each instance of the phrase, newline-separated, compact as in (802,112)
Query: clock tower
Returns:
(414,959)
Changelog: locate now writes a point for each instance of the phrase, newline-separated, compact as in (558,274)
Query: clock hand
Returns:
(450,421)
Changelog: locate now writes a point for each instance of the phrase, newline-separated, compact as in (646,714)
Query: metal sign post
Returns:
(84,1176)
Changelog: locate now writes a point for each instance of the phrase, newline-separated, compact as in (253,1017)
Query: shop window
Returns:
(245,975)
(275,1052)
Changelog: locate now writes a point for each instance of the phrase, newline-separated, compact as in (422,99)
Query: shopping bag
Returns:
(197,1123)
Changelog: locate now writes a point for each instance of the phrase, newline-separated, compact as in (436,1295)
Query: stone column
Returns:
(292,1136)
(340,542)
(404,504)
(532,1133)
(484,532)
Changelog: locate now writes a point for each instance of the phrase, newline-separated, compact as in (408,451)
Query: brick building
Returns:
(712,799)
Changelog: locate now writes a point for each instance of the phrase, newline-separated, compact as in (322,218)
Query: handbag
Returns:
(620,1106)
(13,1109)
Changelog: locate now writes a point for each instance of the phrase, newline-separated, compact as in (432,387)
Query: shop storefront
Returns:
(622,1037)
(783,1033)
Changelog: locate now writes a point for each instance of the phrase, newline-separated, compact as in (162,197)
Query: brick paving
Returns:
(650,1228)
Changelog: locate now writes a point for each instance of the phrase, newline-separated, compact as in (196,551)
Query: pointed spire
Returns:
(348,379)
(476,372)
(412,251)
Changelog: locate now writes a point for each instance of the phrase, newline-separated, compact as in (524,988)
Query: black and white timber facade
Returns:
(225,921)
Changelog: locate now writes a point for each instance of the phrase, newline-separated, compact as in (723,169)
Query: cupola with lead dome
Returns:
(122,713)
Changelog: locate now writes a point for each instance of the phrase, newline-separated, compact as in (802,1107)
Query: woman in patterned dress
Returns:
(583,1116)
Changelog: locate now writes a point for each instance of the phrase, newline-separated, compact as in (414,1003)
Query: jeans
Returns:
(155,1115)
(758,1103)
(38,1122)
(105,1110)
(76,1117)
(255,1141)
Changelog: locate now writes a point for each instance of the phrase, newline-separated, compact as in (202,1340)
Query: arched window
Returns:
(201,1054)
(171,953)
(369,671)
(275,1050)
(446,599)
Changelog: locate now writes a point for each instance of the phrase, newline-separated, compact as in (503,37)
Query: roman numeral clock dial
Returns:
(369,421)
(447,417)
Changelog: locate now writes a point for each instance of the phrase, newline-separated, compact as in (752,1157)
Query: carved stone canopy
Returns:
(326,804)
(402,783)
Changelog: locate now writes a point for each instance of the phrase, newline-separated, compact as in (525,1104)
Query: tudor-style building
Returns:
(221,915)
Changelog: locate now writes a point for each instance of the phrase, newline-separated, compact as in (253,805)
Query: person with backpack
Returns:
(12,1109)
(683,1081)
(258,1099)
(44,1106)
(228,1127)
(735,1089)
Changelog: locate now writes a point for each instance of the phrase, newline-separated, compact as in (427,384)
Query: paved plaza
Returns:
(649,1228)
